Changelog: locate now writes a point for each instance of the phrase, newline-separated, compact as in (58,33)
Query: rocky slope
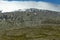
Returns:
(32,24)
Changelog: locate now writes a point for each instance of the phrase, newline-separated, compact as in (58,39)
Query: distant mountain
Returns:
(28,18)
(32,14)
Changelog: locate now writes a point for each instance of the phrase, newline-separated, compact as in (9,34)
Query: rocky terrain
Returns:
(31,24)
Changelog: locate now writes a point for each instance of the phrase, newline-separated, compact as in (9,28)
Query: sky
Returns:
(51,1)
(12,5)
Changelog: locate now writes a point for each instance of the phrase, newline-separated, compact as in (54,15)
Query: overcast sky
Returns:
(10,5)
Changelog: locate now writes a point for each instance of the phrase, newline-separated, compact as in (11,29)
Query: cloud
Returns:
(48,6)
(11,6)
(7,6)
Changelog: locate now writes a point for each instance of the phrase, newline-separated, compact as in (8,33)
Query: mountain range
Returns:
(31,17)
